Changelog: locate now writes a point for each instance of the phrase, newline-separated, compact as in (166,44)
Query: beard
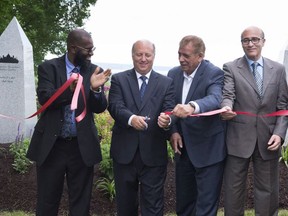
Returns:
(80,60)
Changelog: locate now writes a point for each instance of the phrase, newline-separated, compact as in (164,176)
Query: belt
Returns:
(69,138)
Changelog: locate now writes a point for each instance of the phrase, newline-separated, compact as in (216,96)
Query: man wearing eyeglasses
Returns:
(257,85)
(63,148)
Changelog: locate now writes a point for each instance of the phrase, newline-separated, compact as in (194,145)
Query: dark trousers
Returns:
(64,161)
(197,189)
(134,177)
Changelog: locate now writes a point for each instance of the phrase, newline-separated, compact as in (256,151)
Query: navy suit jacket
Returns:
(51,76)
(124,101)
(203,136)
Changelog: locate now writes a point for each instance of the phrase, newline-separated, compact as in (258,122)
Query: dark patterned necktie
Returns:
(69,125)
(258,79)
(143,86)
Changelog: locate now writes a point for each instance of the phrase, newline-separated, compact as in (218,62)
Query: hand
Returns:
(183,110)
(139,123)
(176,142)
(229,114)
(73,85)
(164,120)
(274,143)
(98,79)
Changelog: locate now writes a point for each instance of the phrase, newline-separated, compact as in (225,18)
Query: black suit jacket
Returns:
(51,76)
(124,101)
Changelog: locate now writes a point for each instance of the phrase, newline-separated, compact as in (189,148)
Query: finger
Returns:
(97,70)
(107,72)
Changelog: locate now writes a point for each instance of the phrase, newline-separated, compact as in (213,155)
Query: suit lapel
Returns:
(267,75)
(62,70)
(134,87)
(152,83)
(195,81)
(178,82)
(245,72)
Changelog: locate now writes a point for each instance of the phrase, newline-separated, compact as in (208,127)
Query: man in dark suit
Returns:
(68,152)
(139,138)
(253,138)
(197,141)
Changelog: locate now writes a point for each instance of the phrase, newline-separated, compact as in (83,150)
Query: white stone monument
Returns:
(17,84)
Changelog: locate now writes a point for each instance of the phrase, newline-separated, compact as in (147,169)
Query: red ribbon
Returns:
(74,103)
(218,111)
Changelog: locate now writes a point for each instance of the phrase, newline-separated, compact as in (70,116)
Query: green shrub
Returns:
(170,152)
(106,165)
(284,155)
(104,123)
(18,149)
(107,186)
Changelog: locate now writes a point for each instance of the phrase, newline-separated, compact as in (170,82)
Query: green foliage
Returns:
(282,212)
(15,213)
(46,23)
(104,124)
(106,165)
(107,186)
(170,152)
(284,155)
(18,149)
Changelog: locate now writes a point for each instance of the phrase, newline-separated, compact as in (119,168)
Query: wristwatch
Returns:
(192,104)
(98,90)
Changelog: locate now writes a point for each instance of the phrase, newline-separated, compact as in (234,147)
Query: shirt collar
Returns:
(192,75)
(259,61)
(69,65)
(139,75)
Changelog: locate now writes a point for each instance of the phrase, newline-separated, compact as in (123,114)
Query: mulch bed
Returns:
(18,191)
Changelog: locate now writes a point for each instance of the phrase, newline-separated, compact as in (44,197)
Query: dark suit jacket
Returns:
(124,101)
(51,76)
(203,136)
(240,93)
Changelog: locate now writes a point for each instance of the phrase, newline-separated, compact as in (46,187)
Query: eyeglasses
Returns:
(89,50)
(254,40)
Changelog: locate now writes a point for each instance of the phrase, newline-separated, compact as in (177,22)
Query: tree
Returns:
(46,22)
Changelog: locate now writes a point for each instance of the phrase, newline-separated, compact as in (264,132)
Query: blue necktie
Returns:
(143,86)
(69,125)
(257,77)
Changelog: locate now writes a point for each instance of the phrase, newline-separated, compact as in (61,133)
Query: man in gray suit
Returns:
(256,138)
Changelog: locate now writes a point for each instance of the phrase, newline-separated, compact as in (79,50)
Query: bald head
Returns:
(254,29)
(80,47)
(143,54)
(145,43)
(77,36)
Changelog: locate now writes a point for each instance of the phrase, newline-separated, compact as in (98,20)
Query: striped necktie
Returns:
(143,86)
(258,79)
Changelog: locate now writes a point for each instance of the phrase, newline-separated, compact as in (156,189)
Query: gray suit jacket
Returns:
(240,93)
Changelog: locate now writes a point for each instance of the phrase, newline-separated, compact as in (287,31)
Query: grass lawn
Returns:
(220,213)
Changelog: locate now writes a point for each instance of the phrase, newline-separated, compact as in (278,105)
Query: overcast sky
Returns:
(116,24)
